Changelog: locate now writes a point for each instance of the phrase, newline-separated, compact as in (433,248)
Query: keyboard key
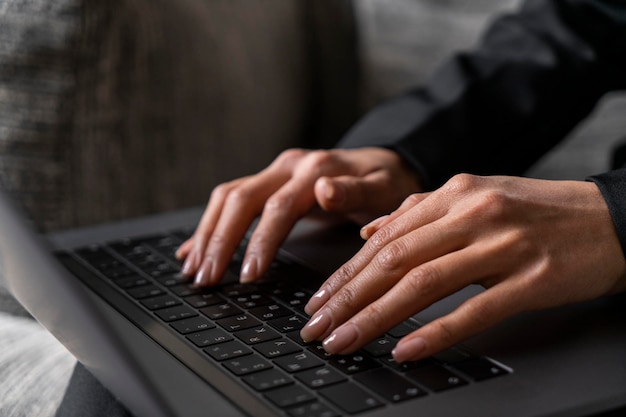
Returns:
(295,336)
(172,279)
(315,409)
(290,396)
(194,324)
(389,385)
(159,302)
(118,272)
(175,313)
(204,300)
(247,365)
(257,335)
(403,329)
(318,349)
(238,290)
(352,364)
(406,366)
(350,398)
(288,324)
(277,348)
(320,377)
(252,300)
(452,356)
(185,290)
(297,362)
(145,292)
(228,350)
(209,337)
(239,322)
(436,378)
(480,369)
(381,346)
(266,380)
(132,282)
(219,311)
(271,312)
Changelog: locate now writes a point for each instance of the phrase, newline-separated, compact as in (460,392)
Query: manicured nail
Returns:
(203,275)
(316,327)
(407,350)
(199,279)
(341,339)
(317,301)
(186,267)
(369,229)
(248,270)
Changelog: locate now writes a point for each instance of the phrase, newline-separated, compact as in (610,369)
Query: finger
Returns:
(389,267)
(280,214)
(369,229)
(206,226)
(474,316)
(360,197)
(400,226)
(228,222)
(184,249)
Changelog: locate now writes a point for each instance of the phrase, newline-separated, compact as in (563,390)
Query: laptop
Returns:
(113,296)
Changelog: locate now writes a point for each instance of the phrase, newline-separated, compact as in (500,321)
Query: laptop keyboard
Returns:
(252,331)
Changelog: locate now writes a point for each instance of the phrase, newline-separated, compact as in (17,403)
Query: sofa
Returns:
(110,110)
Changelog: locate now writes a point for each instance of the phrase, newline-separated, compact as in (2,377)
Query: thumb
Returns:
(360,198)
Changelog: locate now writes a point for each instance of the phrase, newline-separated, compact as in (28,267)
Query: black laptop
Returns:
(113,295)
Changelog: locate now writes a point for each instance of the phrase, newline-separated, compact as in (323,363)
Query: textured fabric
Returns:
(36,86)
(34,369)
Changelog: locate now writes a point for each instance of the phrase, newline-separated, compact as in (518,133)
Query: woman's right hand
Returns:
(361,184)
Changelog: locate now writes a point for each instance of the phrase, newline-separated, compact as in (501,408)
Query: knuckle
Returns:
(217,240)
(346,298)
(380,239)
(492,204)
(376,317)
(460,183)
(239,196)
(290,156)
(279,203)
(391,257)
(316,161)
(424,280)
(220,191)
(445,331)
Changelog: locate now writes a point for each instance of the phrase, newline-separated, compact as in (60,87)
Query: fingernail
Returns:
(369,229)
(203,274)
(407,350)
(317,301)
(187,269)
(341,339)
(316,327)
(248,270)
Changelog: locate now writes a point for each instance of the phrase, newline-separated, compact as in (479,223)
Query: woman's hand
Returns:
(359,183)
(532,243)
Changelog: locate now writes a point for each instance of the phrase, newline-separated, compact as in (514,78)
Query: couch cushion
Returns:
(116,109)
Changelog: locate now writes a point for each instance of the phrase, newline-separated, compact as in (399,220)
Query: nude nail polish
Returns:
(341,339)
(317,301)
(248,270)
(411,349)
(316,327)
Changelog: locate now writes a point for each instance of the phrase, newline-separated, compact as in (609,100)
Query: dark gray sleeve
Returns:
(498,108)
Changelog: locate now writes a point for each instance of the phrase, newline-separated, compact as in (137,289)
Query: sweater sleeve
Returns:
(497,109)
(612,185)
